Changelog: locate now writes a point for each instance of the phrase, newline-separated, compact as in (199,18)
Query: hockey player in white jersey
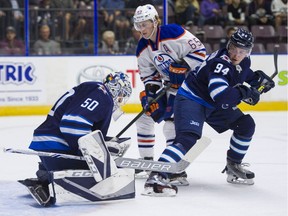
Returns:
(165,56)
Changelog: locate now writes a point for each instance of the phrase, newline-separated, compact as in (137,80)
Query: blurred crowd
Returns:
(64,27)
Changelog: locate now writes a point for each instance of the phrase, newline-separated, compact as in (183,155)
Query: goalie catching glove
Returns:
(263,83)
(177,74)
(118,146)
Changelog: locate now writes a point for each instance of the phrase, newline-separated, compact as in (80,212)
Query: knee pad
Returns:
(169,132)
(244,126)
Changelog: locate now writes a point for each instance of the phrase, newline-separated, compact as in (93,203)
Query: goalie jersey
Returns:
(173,44)
(220,76)
(81,110)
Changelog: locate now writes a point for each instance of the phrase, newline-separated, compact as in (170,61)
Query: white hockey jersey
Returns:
(173,44)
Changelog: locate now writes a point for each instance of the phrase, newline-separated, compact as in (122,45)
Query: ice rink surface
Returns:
(207,195)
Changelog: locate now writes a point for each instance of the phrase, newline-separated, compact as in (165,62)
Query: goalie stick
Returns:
(131,163)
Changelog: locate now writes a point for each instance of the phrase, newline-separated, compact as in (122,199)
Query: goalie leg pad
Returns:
(80,187)
(97,155)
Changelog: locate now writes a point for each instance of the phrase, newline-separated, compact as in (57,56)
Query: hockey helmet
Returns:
(120,88)
(242,39)
(143,13)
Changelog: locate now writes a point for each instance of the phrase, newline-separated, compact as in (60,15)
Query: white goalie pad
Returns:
(97,155)
(80,187)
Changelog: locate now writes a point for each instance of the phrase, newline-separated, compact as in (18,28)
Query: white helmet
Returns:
(145,12)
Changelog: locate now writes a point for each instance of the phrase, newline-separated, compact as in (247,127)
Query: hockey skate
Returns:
(179,179)
(236,174)
(38,191)
(143,174)
(158,186)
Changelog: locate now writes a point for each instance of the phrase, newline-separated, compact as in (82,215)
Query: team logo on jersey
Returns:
(162,63)
(226,58)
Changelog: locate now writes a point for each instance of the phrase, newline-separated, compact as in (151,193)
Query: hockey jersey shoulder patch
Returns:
(226,58)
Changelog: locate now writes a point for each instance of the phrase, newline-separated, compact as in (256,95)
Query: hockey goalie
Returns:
(84,110)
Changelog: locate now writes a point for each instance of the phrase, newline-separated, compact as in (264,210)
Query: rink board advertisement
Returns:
(39,81)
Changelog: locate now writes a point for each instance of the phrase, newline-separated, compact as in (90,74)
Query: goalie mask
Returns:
(120,88)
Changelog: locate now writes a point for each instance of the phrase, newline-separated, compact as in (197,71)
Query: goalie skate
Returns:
(39,192)
(158,186)
(236,174)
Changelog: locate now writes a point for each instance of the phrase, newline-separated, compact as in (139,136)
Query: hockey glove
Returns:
(145,99)
(263,80)
(249,95)
(118,146)
(177,74)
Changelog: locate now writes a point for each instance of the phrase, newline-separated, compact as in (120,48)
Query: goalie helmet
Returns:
(242,39)
(120,88)
(143,13)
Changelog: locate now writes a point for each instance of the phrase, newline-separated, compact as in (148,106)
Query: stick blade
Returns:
(197,149)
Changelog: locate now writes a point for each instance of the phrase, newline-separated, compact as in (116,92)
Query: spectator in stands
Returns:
(259,13)
(131,44)
(13,16)
(210,14)
(11,45)
(115,17)
(236,13)
(68,18)
(186,11)
(229,31)
(280,10)
(109,45)
(46,46)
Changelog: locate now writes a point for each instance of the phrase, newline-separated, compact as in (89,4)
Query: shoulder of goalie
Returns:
(102,182)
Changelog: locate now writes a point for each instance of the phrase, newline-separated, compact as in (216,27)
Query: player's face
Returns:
(146,28)
(237,54)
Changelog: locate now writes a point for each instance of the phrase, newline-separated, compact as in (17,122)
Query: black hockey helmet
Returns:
(242,39)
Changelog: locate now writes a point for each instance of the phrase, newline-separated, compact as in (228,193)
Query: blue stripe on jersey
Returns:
(217,86)
(74,118)
(187,92)
(75,125)
(74,131)
(45,142)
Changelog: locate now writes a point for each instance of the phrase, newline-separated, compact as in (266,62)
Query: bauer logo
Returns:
(94,73)
(16,73)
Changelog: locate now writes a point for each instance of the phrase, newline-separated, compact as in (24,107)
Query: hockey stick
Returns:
(161,93)
(262,87)
(131,163)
